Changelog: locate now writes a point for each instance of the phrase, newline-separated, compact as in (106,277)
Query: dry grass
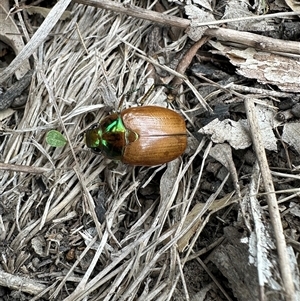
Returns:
(99,231)
(79,70)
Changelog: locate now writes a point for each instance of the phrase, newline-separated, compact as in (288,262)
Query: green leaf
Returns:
(56,139)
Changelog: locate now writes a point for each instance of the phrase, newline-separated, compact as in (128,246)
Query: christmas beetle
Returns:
(143,136)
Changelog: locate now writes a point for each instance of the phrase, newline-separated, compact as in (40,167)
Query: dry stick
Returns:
(260,91)
(164,19)
(137,12)
(254,40)
(22,284)
(222,34)
(284,263)
(187,59)
(23,168)
(244,18)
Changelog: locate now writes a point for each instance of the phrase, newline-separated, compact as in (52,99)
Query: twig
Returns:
(23,168)
(21,283)
(258,17)
(137,12)
(246,89)
(284,264)
(156,17)
(254,40)
(223,34)
(186,61)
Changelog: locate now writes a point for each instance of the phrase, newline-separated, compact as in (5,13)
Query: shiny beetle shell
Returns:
(143,136)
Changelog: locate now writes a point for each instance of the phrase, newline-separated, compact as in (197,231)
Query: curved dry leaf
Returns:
(185,239)
(291,134)
(168,181)
(236,133)
(217,205)
(5,114)
(294,5)
(238,9)
(223,154)
(295,209)
(38,244)
(265,118)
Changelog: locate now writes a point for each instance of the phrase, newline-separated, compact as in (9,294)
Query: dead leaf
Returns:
(6,113)
(215,206)
(294,5)
(238,9)
(184,240)
(38,244)
(291,134)
(222,153)
(295,209)
(236,133)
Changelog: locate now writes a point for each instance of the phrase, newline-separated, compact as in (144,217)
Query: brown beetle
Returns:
(143,136)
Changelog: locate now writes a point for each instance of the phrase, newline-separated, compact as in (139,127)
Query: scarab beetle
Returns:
(143,136)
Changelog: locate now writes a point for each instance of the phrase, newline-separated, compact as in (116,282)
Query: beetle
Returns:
(142,136)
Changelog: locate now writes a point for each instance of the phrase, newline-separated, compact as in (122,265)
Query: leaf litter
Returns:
(106,232)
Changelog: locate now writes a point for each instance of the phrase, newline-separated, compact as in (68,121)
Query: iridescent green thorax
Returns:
(112,123)
(110,137)
(113,137)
